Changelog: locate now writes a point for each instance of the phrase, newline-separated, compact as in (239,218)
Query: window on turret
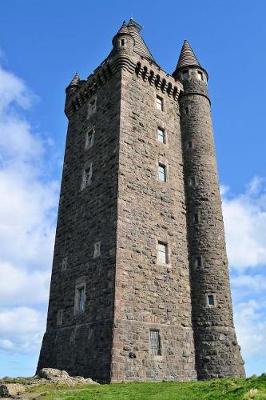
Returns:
(155,342)
(122,42)
(161,135)
(162,256)
(162,172)
(198,261)
(59,318)
(159,103)
(185,74)
(193,182)
(80,299)
(87,176)
(89,139)
(210,300)
(196,218)
(200,75)
(189,145)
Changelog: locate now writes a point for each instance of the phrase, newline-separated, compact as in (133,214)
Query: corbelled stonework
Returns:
(140,287)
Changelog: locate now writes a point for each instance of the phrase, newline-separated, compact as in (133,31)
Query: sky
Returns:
(42,45)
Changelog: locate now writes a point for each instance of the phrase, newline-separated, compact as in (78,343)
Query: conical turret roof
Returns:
(187,57)
(75,80)
(123,28)
(140,46)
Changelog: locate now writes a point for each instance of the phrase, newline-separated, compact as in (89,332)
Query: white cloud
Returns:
(245,222)
(251,327)
(18,286)
(27,219)
(21,329)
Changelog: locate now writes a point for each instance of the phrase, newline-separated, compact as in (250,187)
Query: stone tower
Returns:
(140,286)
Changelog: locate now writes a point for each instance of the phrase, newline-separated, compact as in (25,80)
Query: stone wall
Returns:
(150,295)
(82,344)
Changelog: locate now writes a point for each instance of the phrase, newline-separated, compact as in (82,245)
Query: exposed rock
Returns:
(59,376)
(11,389)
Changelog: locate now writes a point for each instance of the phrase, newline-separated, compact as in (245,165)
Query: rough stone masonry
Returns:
(140,287)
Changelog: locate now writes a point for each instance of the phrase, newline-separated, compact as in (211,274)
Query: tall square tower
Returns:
(140,287)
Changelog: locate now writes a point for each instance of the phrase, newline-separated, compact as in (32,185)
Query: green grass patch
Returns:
(218,389)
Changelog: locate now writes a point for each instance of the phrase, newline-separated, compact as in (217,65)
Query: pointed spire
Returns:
(187,57)
(134,23)
(123,28)
(140,46)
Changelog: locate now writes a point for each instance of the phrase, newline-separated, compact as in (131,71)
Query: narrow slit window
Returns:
(159,103)
(122,42)
(161,135)
(196,218)
(162,253)
(80,299)
(198,261)
(64,264)
(89,138)
(97,250)
(193,181)
(155,342)
(210,300)
(189,145)
(87,176)
(162,172)
(59,317)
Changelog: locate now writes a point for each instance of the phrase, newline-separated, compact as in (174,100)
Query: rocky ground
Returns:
(17,388)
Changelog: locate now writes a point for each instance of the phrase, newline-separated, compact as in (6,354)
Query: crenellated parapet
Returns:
(157,77)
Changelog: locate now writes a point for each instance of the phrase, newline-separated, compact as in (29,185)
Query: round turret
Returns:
(217,351)
(123,40)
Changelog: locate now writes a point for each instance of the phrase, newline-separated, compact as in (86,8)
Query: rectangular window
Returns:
(155,342)
(89,140)
(97,250)
(210,300)
(59,317)
(80,299)
(87,176)
(159,103)
(161,135)
(162,253)
(162,172)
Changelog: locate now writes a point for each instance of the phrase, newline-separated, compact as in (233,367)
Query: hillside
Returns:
(220,389)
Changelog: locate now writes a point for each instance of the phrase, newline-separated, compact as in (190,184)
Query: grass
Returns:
(218,389)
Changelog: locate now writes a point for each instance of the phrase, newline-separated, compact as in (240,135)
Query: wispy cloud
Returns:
(27,220)
(245,222)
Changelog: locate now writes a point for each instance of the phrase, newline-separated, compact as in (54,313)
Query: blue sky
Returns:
(42,44)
